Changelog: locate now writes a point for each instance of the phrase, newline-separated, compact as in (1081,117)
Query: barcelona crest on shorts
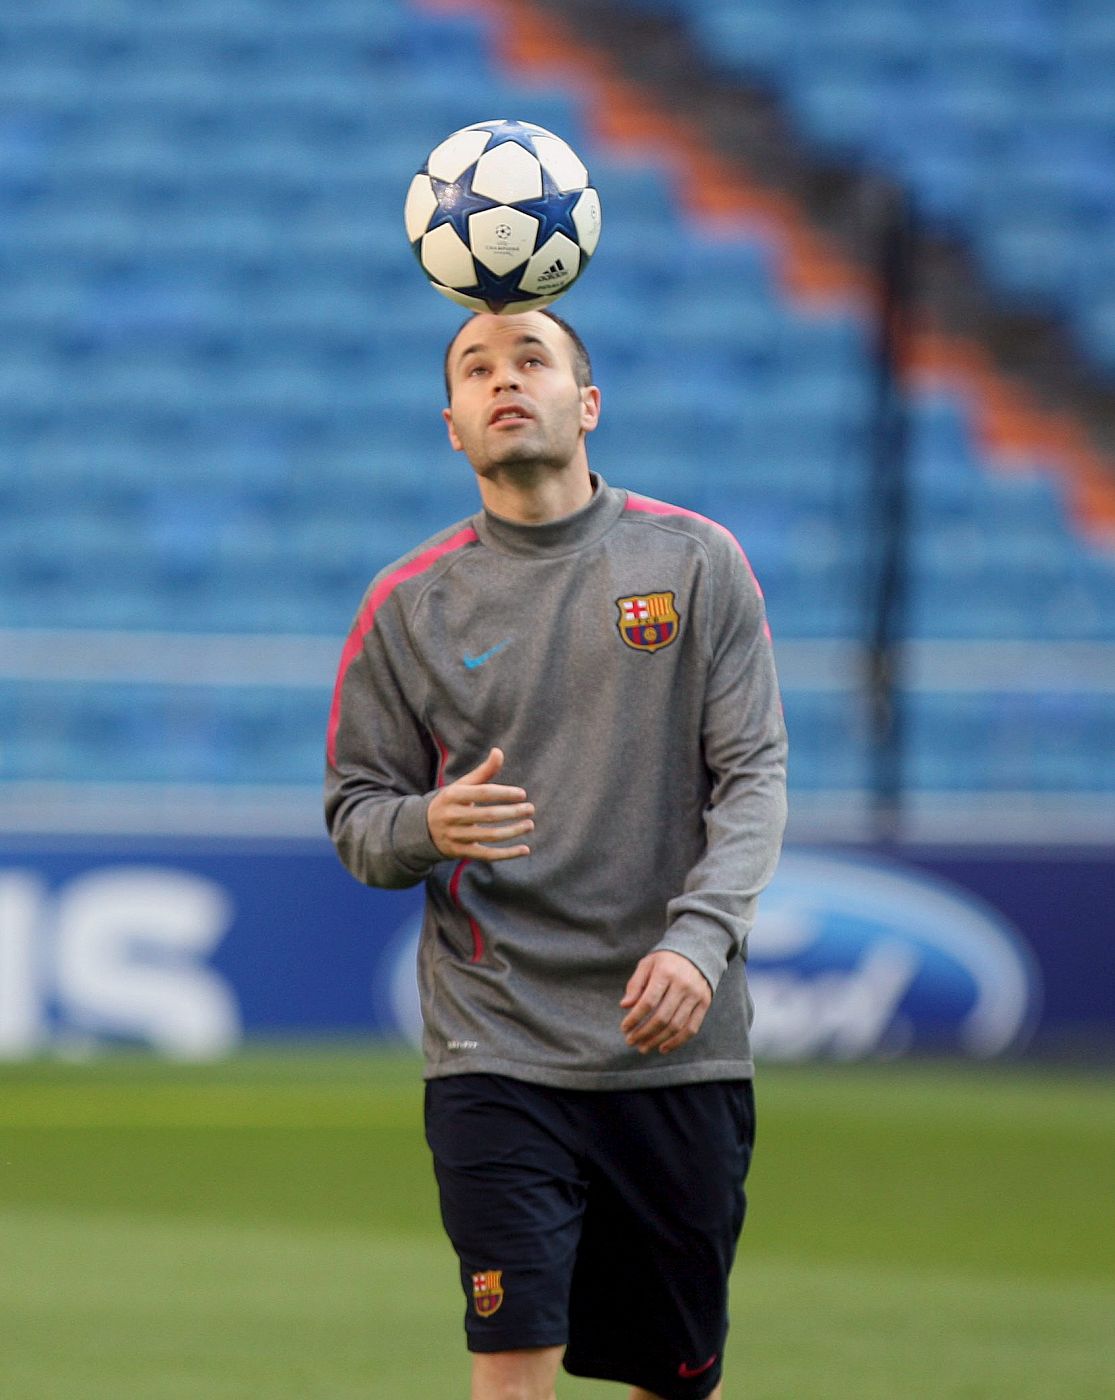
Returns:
(649,621)
(487,1291)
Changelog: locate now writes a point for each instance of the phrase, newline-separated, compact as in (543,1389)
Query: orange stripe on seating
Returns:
(1010,425)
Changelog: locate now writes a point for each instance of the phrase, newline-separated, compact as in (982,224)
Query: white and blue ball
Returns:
(502,217)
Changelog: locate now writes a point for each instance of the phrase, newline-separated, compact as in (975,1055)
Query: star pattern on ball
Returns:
(504,131)
(456,203)
(554,210)
(494,289)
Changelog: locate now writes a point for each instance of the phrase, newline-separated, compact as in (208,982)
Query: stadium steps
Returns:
(770,166)
(215,349)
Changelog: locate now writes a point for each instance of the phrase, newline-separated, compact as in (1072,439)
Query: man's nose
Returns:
(506,377)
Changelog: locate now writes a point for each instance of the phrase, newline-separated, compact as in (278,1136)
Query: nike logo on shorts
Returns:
(687,1372)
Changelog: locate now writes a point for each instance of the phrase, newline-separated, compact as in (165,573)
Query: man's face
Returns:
(515,400)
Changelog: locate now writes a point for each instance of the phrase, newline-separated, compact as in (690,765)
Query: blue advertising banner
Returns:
(190,947)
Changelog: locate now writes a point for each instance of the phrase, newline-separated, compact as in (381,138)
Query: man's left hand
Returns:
(666,1000)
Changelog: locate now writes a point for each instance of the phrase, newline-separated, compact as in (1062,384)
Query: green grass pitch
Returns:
(267,1227)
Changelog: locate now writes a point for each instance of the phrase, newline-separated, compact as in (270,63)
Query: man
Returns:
(563,715)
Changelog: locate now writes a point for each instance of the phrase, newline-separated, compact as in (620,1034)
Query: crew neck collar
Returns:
(565,535)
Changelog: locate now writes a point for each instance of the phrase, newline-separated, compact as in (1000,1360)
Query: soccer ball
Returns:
(502,217)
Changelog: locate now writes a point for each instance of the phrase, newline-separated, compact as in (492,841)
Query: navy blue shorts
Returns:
(605,1221)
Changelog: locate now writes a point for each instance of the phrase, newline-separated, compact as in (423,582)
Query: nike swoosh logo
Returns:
(473,661)
(687,1372)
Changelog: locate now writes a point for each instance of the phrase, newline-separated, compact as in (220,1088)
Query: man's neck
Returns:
(538,497)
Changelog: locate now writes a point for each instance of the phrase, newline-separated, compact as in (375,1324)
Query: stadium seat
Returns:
(220,368)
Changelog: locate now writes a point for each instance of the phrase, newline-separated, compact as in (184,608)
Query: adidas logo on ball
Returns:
(554,273)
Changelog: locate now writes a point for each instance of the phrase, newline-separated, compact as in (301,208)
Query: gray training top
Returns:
(620,658)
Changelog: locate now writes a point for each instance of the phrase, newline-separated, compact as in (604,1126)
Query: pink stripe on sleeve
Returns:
(364,623)
(647,505)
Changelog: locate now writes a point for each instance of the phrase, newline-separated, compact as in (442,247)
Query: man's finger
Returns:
(686,1032)
(485,794)
(662,1020)
(490,833)
(491,816)
(647,1000)
(481,852)
(636,983)
(657,990)
(486,771)
(679,1029)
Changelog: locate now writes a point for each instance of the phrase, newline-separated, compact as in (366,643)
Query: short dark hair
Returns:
(582,364)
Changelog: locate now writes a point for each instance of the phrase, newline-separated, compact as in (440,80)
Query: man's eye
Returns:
(534,360)
(478,369)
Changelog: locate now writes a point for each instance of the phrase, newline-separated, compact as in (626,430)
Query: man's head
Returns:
(520,393)
(582,364)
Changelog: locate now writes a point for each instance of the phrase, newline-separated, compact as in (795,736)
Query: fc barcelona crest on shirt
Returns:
(487,1291)
(649,621)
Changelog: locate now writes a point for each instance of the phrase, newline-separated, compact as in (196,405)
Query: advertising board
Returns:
(193,947)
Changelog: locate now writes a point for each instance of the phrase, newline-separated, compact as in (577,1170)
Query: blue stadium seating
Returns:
(1057,742)
(220,367)
(983,111)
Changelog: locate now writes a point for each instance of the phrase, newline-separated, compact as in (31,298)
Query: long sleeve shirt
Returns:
(620,658)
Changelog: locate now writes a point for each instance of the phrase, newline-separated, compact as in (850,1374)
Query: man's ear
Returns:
(454,440)
(590,408)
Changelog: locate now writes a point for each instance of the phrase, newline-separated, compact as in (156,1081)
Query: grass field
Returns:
(267,1228)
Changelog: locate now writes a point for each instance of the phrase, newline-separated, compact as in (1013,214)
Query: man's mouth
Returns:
(509,413)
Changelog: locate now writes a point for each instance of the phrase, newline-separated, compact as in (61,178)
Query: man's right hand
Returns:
(469,816)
